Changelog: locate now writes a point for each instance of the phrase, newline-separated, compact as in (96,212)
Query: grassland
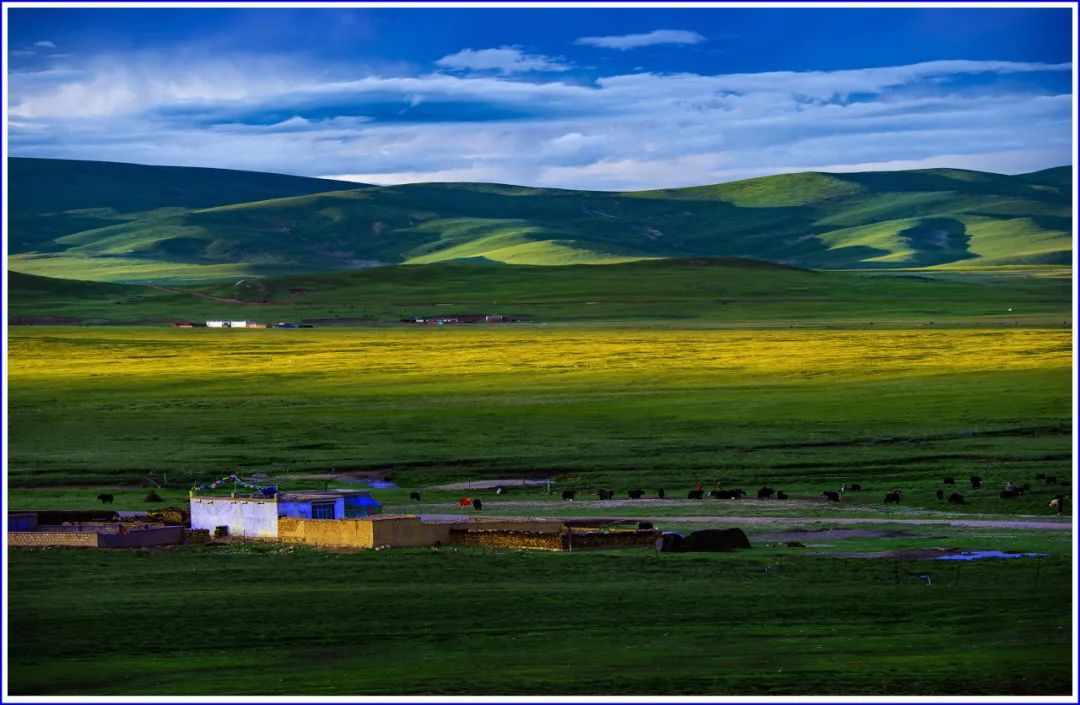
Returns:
(589,406)
(277,620)
(715,291)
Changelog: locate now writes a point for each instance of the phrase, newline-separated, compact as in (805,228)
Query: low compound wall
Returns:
(500,538)
(588,540)
(99,537)
(546,541)
(52,538)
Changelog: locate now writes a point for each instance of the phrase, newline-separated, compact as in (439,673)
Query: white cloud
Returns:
(623,42)
(44,44)
(505,60)
(625,132)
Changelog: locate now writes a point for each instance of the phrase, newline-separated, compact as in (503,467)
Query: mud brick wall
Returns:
(612,539)
(53,538)
(507,539)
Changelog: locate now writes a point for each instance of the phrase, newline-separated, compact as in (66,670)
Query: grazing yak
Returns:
(660,493)
(940,494)
(893,497)
(477,505)
(976,482)
(956,498)
(105,498)
(781,495)
(568,495)
(950,481)
(765,493)
(605,494)
(1057,503)
(635,494)
(855,487)
(831,496)
(695,494)
(415,496)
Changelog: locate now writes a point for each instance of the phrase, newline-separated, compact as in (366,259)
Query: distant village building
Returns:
(235,324)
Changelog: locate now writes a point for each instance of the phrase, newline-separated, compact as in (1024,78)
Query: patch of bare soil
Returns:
(491,484)
(828,534)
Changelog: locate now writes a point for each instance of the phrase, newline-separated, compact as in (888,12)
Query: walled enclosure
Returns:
(98,537)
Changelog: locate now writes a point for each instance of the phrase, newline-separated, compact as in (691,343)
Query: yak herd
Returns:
(894,496)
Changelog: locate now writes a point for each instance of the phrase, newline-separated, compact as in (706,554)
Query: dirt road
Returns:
(1047,525)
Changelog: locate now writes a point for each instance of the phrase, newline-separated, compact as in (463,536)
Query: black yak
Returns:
(976,482)
(569,495)
(605,494)
(635,494)
(781,495)
(765,493)
(940,494)
(1012,494)
(893,497)
(855,487)
(477,505)
(950,481)
(956,498)
(660,493)
(695,494)
(831,496)
(105,498)
(414,496)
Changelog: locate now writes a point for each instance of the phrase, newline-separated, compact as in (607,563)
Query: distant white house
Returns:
(235,324)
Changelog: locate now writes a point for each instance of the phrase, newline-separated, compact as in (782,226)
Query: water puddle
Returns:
(974,555)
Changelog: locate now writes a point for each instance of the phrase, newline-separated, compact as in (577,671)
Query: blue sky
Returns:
(608,98)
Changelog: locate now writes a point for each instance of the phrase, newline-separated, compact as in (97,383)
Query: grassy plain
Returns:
(728,292)
(589,406)
(276,620)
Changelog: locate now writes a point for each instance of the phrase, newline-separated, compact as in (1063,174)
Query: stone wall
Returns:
(502,538)
(53,538)
(587,540)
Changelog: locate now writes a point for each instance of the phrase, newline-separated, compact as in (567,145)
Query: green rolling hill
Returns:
(116,222)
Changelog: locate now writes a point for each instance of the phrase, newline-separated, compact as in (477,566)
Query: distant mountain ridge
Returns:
(118,222)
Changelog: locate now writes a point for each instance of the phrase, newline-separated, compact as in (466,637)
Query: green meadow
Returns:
(263,619)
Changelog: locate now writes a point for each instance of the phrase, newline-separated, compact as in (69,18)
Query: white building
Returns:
(256,516)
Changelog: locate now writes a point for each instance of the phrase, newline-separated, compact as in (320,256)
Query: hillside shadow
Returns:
(937,241)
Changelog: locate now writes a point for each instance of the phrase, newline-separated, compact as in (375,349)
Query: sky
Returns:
(598,98)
